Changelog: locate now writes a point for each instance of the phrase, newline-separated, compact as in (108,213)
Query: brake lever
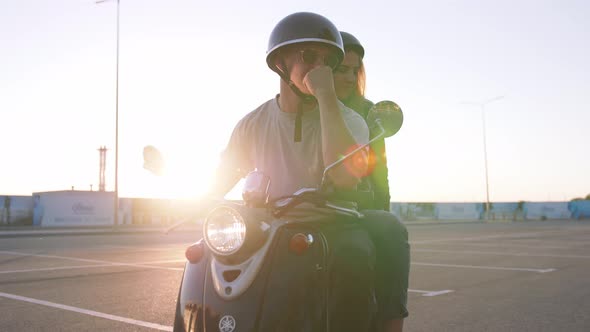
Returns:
(277,213)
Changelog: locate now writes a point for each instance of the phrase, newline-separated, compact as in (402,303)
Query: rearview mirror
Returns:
(386,115)
(153,160)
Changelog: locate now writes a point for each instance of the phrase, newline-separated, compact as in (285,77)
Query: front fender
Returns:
(189,309)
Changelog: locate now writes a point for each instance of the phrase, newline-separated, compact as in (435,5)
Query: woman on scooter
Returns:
(387,232)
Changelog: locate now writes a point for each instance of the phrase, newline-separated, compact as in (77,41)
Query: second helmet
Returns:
(351,42)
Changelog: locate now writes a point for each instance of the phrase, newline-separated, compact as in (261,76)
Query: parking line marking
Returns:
(90,260)
(71,267)
(505,245)
(486,267)
(431,293)
(487,237)
(54,256)
(144,248)
(88,312)
(525,254)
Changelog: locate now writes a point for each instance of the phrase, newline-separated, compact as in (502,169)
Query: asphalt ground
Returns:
(521,276)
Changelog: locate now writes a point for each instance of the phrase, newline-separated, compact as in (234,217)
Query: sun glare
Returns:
(183,177)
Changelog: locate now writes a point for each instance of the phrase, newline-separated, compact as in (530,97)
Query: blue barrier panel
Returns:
(458,211)
(503,207)
(37,210)
(506,211)
(414,211)
(546,210)
(579,209)
(16,210)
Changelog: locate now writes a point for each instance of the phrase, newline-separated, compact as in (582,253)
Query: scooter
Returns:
(270,265)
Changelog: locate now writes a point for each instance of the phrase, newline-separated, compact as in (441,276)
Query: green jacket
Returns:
(377,181)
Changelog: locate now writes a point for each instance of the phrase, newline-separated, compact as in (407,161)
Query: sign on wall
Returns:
(73,208)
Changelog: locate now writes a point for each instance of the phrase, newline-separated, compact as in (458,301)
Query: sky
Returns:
(189,70)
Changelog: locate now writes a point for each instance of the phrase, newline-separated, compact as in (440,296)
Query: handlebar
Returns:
(306,195)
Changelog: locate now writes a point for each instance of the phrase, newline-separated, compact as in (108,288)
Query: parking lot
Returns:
(522,276)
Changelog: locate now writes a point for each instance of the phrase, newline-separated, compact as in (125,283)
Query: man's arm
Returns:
(225,180)
(234,163)
(337,139)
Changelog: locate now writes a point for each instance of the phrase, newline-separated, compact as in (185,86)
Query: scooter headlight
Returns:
(225,230)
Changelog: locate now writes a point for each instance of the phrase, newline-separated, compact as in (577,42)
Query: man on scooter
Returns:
(305,128)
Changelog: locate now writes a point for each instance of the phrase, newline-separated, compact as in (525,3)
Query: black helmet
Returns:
(351,42)
(303,27)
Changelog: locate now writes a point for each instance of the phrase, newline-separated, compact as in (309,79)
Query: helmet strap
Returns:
(304,99)
(298,123)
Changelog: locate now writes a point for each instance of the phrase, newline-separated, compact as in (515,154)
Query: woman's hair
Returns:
(357,100)
(361,80)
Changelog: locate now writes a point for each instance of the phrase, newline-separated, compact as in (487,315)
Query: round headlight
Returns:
(225,230)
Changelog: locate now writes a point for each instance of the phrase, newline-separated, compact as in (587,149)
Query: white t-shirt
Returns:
(263,140)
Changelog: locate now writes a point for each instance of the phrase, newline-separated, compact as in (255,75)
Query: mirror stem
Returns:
(341,160)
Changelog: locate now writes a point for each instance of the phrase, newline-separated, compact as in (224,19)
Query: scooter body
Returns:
(290,290)
(262,268)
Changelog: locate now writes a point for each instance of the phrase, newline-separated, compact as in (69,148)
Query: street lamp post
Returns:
(482,105)
(116,191)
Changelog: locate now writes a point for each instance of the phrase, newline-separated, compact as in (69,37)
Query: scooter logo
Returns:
(227,324)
